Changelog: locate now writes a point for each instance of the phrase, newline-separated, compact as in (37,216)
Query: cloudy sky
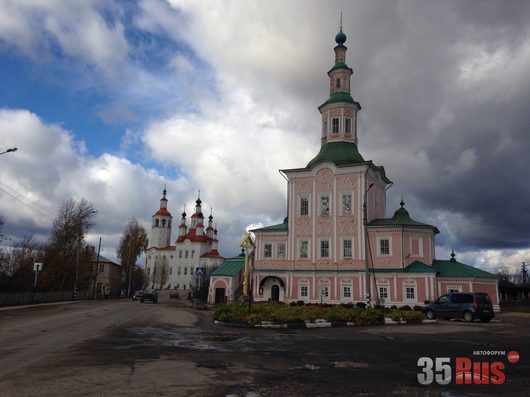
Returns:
(111,100)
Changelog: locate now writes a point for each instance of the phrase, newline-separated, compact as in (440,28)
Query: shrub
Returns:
(406,307)
(361,305)
(418,308)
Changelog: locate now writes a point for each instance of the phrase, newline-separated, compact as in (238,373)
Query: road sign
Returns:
(200,271)
(37,267)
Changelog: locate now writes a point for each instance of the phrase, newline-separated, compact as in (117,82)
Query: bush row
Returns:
(281,313)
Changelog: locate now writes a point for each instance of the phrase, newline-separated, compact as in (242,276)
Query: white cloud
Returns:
(75,28)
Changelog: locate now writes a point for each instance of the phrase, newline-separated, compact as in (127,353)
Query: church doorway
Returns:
(220,295)
(275,293)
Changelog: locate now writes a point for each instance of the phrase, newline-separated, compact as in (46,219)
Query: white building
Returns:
(195,250)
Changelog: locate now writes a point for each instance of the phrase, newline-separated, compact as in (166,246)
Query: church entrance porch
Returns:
(272,289)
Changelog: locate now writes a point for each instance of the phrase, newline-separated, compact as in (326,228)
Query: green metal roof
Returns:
(230,267)
(419,267)
(453,268)
(339,97)
(340,65)
(338,152)
(281,227)
(402,218)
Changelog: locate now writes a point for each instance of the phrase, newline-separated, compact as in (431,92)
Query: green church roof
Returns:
(339,152)
(453,268)
(402,218)
(281,227)
(230,267)
(419,267)
(340,65)
(339,97)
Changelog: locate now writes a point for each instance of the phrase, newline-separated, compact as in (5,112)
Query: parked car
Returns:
(468,306)
(150,295)
(173,294)
(138,295)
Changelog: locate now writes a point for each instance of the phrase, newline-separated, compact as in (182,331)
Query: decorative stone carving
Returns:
(303,185)
(324,226)
(324,179)
(347,225)
(303,227)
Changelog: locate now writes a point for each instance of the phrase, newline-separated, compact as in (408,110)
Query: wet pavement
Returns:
(172,350)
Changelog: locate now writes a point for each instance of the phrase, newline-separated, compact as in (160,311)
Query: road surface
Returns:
(125,348)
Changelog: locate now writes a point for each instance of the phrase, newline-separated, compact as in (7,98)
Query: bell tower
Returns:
(339,112)
(161,225)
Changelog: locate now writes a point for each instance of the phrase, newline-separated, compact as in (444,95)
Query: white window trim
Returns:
(330,207)
(386,287)
(341,203)
(338,129)
(351,125)
(276,250)
(330,253)
(379,238)
(352,248)
(265,250)
(410,285)
(342,286)
(299,212)
(457,288)
(300,285)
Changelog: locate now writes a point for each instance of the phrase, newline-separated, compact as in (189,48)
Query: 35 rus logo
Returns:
(466,371)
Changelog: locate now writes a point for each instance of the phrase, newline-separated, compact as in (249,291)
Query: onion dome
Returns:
(340,38)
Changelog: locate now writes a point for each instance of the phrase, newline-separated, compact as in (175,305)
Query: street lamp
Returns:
(366,253)
(13,149)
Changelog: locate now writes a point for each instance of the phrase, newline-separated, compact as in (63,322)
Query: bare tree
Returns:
(132,243)
(73,221)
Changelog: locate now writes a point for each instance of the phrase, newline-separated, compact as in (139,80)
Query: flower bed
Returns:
(280,314)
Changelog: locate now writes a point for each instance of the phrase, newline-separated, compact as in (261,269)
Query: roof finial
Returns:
(402,203)
(211,214)
(453,254)
(184,211)
(341,21)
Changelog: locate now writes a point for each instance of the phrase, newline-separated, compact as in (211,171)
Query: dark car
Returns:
(151,295)
(138,295)
(468,306)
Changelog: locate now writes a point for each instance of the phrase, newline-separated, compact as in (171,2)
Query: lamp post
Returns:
(366,252)
(13,149)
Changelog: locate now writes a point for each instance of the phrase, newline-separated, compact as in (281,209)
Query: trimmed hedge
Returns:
(275,313)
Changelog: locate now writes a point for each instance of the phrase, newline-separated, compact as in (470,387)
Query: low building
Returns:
(226,281)
(108,277)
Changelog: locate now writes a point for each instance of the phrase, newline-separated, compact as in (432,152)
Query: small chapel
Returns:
(335,244)
(193,257)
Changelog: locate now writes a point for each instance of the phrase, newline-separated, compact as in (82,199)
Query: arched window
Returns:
(163,223)
(156,222)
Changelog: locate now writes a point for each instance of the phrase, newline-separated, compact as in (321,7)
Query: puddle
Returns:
(196,339)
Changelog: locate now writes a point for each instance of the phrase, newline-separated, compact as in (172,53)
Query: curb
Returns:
(307,324)
(6,308)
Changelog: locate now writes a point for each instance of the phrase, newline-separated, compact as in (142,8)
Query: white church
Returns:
(194,256)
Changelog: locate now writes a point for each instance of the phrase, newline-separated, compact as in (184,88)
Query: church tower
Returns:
(161,226)
(339,113)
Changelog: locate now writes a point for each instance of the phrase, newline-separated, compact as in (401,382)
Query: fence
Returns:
(28,298)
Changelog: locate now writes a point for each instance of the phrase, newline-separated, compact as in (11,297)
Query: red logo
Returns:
(513,357)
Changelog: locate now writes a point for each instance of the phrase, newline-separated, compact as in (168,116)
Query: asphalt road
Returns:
(125,348)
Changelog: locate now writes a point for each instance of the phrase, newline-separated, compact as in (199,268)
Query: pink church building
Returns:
(335,245)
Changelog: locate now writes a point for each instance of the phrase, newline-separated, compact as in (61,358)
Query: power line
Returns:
(41,210)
